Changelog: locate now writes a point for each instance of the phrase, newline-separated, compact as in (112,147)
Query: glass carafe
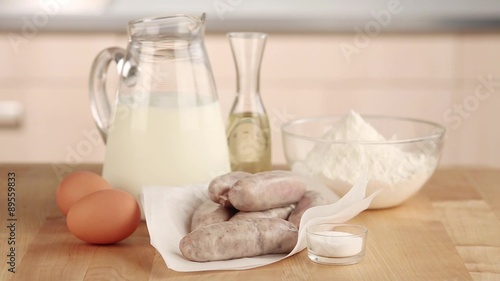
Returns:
(248,130)
(164,126)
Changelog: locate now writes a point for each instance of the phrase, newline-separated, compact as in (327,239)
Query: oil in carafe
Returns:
(249,142)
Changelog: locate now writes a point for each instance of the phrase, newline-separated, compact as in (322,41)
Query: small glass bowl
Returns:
(337,244)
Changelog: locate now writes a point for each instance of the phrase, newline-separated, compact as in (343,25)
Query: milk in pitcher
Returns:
(168,142)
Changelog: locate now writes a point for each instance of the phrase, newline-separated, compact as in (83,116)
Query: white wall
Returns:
(425,76)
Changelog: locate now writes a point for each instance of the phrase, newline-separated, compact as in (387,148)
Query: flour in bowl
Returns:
(339,165)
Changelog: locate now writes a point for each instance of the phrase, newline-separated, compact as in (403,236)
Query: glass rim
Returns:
(440,130)
(363,229)
(157,18)
(247,35)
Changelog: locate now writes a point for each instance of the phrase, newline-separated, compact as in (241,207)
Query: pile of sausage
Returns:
(249,215)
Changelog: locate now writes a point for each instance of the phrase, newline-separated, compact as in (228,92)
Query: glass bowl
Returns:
(399,162)
(337,244)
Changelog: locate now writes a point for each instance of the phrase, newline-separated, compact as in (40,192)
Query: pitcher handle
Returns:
(99,100)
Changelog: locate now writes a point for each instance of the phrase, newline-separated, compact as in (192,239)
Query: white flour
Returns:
(398,172)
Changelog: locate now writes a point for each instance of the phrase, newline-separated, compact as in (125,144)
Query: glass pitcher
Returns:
(164,126)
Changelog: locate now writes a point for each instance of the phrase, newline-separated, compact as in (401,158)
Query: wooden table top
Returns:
(449,231)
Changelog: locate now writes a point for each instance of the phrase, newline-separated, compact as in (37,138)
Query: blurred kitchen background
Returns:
(434,60)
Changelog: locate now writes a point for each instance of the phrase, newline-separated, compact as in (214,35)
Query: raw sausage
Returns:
(210,213)
(267,190)
(281,213)
(220,186)
(310,199)
(238,239)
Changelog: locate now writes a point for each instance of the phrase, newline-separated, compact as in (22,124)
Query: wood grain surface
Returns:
(449,231)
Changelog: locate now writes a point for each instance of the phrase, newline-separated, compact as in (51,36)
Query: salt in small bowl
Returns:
(337,244)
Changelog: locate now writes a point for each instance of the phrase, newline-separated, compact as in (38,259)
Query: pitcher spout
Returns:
(173,26)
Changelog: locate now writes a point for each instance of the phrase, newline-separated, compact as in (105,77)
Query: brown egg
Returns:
(104,217)
(77,185)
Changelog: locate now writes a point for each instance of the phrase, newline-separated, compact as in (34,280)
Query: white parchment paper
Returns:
(168,213)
